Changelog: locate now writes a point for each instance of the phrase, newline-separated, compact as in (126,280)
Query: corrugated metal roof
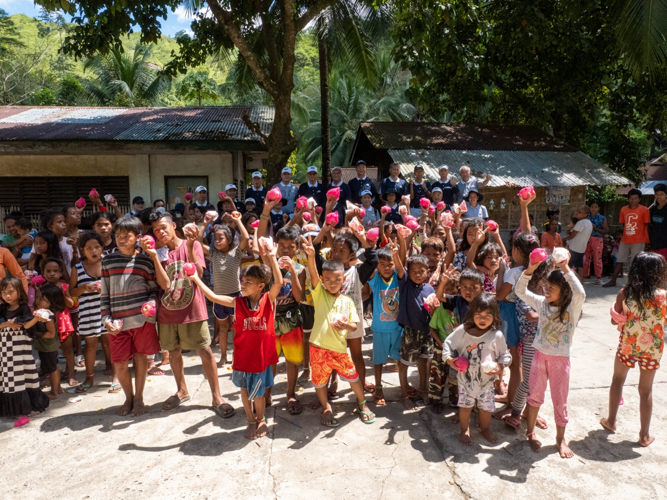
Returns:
(513,168)
(132,124)
(461,136)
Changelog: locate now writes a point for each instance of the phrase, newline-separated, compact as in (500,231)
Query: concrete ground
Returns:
(82,450)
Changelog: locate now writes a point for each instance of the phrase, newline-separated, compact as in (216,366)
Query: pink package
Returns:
(402,210)
(447,220)
(332,218)
(406,199)
(93,192)
(362,213)
(21,421)
(527,192)
(266,243)
(409,218)
(373,234)
(440,206)
(148,309)
(221,196)
(306,216)
(431,209)
(255,224)
(492,225)
(431,303)
(403,231)
(356,226)
(189,268)
(117,324)
(385,209)
(80,203)
(37,280)
(319,210)
(462,363)
(274,195)
(301,203)
(425,203)
(412,224)
(333,193)
(149,241)
(538,255)
(282,264)
(188,196)
(109,198)
(212,214)
(463,207)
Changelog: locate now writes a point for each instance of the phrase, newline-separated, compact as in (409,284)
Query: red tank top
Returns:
(255,336)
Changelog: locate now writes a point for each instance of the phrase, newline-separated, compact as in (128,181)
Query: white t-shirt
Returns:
(511,276)
(580,241)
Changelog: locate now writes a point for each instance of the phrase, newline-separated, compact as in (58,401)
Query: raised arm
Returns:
(277,275)
(472,253)
(525,218)
(521,289)
(451,246)
(161,276)
(307,245)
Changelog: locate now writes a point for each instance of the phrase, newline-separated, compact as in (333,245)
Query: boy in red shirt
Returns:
(254,338)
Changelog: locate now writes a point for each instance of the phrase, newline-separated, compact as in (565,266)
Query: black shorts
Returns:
(308,317)
(576,260)
(49,361)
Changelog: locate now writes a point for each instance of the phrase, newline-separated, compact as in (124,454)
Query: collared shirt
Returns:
(465,187)
(419,191)
(357,186)
(399,185)
(344,193)
(208,206)
(258,195)
(478,211)
(316,192)
(289,194)
(449,190)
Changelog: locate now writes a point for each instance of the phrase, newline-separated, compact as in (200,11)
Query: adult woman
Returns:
(473,201)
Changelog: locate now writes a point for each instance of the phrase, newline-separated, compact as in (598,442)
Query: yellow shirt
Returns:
(326,308)
(302,259)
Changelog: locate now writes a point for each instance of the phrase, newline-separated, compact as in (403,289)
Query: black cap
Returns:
(137,199)
(361,162)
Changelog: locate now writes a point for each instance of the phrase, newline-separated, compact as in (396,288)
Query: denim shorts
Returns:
(254,383)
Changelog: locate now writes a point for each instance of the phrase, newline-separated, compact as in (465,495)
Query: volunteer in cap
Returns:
(257,191)
(231,191)
(250,204)
(449,190)
(287,190)
(394,182)
(361,183)
(337,181)
(137,206)
(467,182)
(313,188)
(200,200)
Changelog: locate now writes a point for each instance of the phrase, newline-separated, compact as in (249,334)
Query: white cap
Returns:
(334,168)
(251,200)
(443,167)
(286,170)
(365,192)
(200,188)
(436,189)
(257,173)
(312,168)
(419,165)
(230,186)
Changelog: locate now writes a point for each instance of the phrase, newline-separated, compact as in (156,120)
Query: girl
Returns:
(46,245)
(51,298)
(225,266)
(85,283)
(479,341)
(469,229)
(52,270)
(54,220)
(19,382)
(642,302)
(103,226)
(595,243)
(558,314)
(73,221)
(254,339)
(487,259)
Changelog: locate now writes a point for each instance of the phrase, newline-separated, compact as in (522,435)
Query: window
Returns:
(176,188)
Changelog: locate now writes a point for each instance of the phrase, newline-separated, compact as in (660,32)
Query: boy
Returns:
(417,343)
(578,240)
(387,332)
(128,282)
(47,348)
(335,316)
(392,216)
(393,183)
(231,191)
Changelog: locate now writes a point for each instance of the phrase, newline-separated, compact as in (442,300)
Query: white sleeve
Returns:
(503,355)
(578,294)
(452,343)
(532,299)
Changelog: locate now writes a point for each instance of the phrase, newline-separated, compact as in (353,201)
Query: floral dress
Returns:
(642,338)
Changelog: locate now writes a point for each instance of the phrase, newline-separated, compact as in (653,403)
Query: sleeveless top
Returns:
(90,317)
(643,333)
(254,337)
(64,320)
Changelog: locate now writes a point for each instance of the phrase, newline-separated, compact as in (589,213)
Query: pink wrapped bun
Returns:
(80,203)
(332,218)
(236,215)
(362,213)
(211,214)
(274,195)
(373,234)
(492,225)
(406,199)
(527,192)
(221,196)
(425,203)
(385,209)
(37,280)
(301,203)
(431,209)
(109,198)
(431,303)
(447,220)
(188,196)
(356,226)
(408,218)
(333,193)
(93,192)
(463,207)
(148,309)
(117,324)
(412,224)
(319,210)
(403,231)
(462,363)
(403,210)
(266,243)
(282,264)
(306,216)
(440,206)
(538,255)
(255,224)
(149,241)
(189,268)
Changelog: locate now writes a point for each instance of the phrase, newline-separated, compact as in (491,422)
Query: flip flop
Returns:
(294,407)
(369,388)
(332,396)
(174,402)
(302,381)
(224,412)
(83,387)
(333,422)
(514,422)
(367,414)
(155,374)
(115,388)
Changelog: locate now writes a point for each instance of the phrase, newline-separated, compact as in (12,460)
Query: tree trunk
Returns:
(324,105)
(280,141)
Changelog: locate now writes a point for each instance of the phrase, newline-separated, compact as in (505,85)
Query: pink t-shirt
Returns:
(184,302)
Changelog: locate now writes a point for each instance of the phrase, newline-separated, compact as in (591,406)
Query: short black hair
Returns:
(289,233)
(157,201)
(636,191)
(385,254)
(660,187)
(482,303)
(349,240)
(99,215)
(552,211)
(470,274)
(156,216)
(87,236)
(145,216)
(129,224)
(419,259)
(24,223)
(261,273)
(46,218)
(12,216)
(333,265)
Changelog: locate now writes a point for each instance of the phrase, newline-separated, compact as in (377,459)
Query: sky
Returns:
(175,22)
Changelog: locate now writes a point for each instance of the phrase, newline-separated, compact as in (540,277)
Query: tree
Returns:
(197,86)
(262,31)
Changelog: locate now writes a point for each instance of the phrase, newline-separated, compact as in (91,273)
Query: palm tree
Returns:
(197,86)
(126,78)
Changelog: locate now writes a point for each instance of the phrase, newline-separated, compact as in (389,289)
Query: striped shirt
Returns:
(128,282)
(90,318)
(225,268)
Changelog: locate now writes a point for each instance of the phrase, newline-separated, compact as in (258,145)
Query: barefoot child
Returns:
(335,315)
(52,299)
(642,301)
(558,311)
(128,282)
(479,341)
(254,337)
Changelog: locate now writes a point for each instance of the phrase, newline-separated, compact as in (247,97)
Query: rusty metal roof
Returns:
(513,168)
(25,123)
(462,136)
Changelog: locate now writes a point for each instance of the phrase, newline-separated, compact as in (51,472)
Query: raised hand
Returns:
(307,246)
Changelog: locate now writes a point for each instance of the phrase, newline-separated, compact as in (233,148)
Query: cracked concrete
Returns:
(83,450)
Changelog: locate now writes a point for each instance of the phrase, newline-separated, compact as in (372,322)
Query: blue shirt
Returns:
(257,195)
(448,191)
(357,186)
(385,304)
(394,216)
(419,191)
(597,221)
(411,310)
(465,187)
(288,192)
(400,186)
(478,211)
(316,192)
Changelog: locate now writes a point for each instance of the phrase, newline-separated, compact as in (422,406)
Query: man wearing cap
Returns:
(313,188)
(361,183)
(231,192)
(257,191)
(137,206)
(399,186)
(468,182)
(449,190)
(287,190)
(200,200)
(345,195)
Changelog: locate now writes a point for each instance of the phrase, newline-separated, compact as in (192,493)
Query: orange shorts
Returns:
(324,361)
(644,363)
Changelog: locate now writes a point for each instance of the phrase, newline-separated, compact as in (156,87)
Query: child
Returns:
(550,238)
(85,284)
(23,246)
(559,311)
(335,316)
(482,344)
(433,249)
(393,215)
(102,225)
(386,330)
(254,338)
(51,298)
(54,220)
(642,300)
(19,383)
(372,214)
(53,271)
(128,282)
(469,229)
(577,240)
(45,245)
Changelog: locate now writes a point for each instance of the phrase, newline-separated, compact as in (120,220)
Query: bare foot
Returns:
(261,431)
(52,396)
(645,440)
(250,430)
(464,438)
(35,413)
(564,450)
(607,425)
(125,409)
(315,405)
(138,407)
(73,382)
(490,436)
(408,404)
(155,370)
(535,445)
(503,412)
(223,362)
(108,371)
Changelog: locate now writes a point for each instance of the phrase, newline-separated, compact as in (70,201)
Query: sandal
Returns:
(367,414)
(83,387)
(115,389)
(225,412)
(379,401)
(174,402)
(514,422)
(333,422)
(80,361)
(369,388)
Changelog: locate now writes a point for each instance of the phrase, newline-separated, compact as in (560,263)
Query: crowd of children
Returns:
(447,297)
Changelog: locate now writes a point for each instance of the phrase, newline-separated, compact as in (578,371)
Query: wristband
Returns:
(264,217)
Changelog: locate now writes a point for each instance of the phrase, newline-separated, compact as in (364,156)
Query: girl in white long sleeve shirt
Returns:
(559,311)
